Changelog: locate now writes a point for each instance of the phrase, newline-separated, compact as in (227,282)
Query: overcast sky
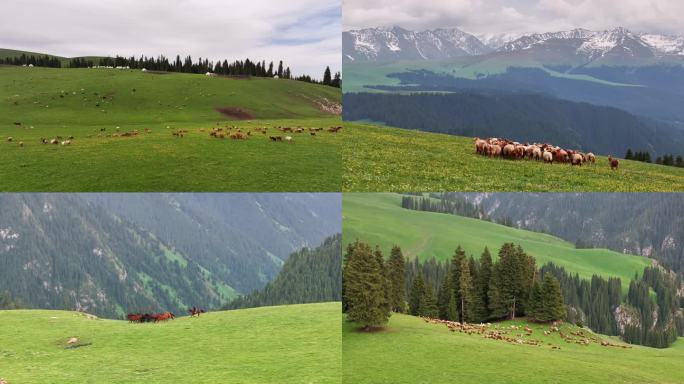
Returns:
(517,16)
(304,33)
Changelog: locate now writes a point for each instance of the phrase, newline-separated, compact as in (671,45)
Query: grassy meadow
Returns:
(98,106)
(379,219)
(412,351)
(286,344)
(379,159)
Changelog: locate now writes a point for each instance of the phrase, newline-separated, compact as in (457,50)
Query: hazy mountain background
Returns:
(519,81)
(113,253)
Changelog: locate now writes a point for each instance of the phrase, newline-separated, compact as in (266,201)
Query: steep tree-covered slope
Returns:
(109,254)
(308,276)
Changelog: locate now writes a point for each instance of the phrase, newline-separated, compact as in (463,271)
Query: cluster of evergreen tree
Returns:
(670,160)
(589,302)
(638,156)
(660,320)
(186,65)
(8,302)
(308,276)
(38,61)
(464,290)
(443,203)
(81,62)
(656,321)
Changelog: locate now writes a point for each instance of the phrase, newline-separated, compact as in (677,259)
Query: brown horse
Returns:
(194,311)
(166,316)
(134,317)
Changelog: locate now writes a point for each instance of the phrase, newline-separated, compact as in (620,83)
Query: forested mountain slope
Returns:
(309,275)
(109,254)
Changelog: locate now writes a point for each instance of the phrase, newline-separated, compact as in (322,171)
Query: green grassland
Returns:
(90,104)
(287,344)
(412,351)
(378,219)
(378,158)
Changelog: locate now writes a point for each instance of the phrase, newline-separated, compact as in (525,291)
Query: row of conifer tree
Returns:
(245,67)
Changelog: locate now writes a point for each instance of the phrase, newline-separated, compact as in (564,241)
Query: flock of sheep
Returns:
(517,334)
(508,149)
(233,132)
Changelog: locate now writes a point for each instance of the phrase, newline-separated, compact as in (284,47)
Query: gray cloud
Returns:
(305,33)
(517,16)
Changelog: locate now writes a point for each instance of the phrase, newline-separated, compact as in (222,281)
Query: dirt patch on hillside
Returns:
(235,113)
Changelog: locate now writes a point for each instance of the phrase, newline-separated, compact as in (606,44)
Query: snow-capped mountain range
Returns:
(391,44)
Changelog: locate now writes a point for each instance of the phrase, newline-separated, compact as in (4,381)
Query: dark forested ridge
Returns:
(647,224)
(113,253)
(308,276)
(523,117)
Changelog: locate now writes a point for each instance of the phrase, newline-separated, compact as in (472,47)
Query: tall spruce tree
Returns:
(481,298)
(417,294)
(428,305)
(327,77)
(465,288)
(365,288)
(396,279)
(552,307)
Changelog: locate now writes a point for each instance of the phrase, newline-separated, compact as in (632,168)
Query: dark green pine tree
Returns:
(629,155)
(396,279)
(534,310)
(416,295)
(365,290)
(552,307)
(444,295)
(280,69)
(428,305)
(509,287)
(465,287)
(452,309)
(327,77)
(456,265)
(481,298)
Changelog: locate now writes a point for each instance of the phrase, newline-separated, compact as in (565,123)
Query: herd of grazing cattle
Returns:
(522,335)
(157,317)
(548,153)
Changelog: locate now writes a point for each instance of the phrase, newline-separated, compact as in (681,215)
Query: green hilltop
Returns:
(379,158)
(293,344)
(97,106)
(378,219)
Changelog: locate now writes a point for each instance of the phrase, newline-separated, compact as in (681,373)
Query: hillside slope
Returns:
(523,117)
(644,224)
(377,158)
(308,276)
(293,344)
(439,356)
(378,219)
(122,123)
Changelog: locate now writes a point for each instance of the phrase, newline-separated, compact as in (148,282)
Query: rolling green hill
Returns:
(288,344)
(97,106)
(412,351)
(378,219)
(377,158)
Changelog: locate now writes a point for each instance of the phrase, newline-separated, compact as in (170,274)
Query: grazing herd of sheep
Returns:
(517,334)
(234,133)
(548,153)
